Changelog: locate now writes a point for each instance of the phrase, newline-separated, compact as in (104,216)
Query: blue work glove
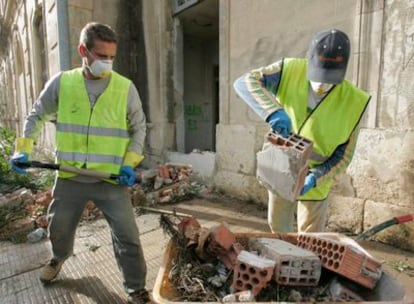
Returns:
(280,123)
(310,182)
(126,176)
(19,157)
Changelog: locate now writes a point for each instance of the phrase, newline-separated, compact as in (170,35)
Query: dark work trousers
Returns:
(65,211)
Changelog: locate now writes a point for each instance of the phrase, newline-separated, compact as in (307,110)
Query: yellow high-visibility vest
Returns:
(93,137)
(329,125)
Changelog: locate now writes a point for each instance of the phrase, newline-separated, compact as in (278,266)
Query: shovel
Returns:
(383,225)
(66,168)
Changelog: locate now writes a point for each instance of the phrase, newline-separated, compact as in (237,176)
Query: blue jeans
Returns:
(65,211)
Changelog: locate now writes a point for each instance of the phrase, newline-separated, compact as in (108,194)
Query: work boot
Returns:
(139,297)
(50,271)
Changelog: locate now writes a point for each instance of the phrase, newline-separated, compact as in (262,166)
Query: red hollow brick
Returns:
(343,256)
(252,272)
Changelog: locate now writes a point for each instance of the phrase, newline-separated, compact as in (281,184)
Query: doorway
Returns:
(199,64)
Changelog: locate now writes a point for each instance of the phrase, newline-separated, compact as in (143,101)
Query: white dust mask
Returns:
(100,68)
(320,88)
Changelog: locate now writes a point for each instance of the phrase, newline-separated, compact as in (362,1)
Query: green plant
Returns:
(7,137)
(9,180)
(402,266)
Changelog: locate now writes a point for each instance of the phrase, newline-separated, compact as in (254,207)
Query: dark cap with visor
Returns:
(328,56)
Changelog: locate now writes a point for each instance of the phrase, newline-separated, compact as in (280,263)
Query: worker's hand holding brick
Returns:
(280,122)
(310,182)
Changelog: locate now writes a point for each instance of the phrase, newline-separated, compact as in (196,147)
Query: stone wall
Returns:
(379,181)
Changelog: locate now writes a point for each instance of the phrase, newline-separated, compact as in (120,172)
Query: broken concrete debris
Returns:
(167,183)
(262,265)
(242,296)
(282,164)
(26,211)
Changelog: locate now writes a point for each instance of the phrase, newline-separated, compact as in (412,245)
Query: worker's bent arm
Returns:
(258,89)
(44,109)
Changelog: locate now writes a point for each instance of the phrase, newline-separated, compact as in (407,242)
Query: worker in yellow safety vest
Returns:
(101,126)
(310,97)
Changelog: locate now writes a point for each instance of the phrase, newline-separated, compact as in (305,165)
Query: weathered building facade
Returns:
(184,56)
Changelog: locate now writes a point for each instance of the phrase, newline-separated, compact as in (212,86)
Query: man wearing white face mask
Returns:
(100,125)
(309,97)
(100,68)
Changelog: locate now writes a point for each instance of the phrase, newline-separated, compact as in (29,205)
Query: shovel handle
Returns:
(36,164)
(376,229)
(86,172)
(394,221)
(66,168)
(405,218)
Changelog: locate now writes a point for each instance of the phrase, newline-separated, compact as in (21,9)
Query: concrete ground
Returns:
(91,274)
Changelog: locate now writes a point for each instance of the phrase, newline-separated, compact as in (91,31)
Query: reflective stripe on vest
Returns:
(92,130)
(329,125)
(93,137)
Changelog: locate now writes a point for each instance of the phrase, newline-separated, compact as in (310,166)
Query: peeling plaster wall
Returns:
(382,171)
(396,109)
(159,45)
(16,64)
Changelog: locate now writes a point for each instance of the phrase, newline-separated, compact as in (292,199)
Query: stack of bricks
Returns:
(343,256)
(294,265)
(278,260)
(282,165)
